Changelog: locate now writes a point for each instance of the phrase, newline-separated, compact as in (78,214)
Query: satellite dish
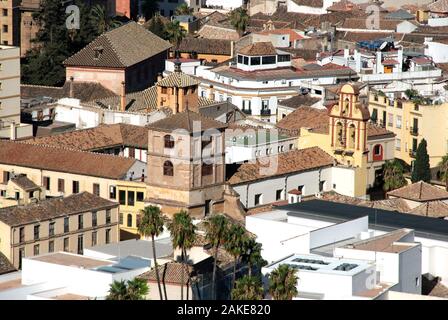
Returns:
(383,45)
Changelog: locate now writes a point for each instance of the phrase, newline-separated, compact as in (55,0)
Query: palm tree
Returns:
(252,254)
(151,225)
(183,9)
(248,288)
(102,19)
(216,228)
(283,283)
(183,235)
(393,175)
(234,244)
(175,33)
(135,289)
(239,20)
(444,170)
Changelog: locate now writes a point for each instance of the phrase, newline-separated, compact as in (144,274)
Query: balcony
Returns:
(412,153)
(247,111)
(413,131)
(265,112)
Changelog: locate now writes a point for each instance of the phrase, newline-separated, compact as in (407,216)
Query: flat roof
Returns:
(321,264)
(71,260)
(379,219)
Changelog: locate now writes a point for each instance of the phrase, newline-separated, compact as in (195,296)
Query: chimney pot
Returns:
(123,97)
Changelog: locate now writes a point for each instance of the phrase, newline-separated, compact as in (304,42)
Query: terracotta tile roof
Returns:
(97,138)
(258,49)
(375,131)
(389,62)
(121,47)
(310,3)
(343,5)
(435,209)
(288,162)
(305,117)
(170,273)
(84,91)
(215,32)
(23,182)
(400,14)
(396,204)
(351,36)
(420,191)
(64,160)
(187,120)
(178,80)
(293,35)
(357,23)
(5,265)
(421,60)
(383,243)
(298,101)
(53,208)
(439,290)
(206,46)
(440,6)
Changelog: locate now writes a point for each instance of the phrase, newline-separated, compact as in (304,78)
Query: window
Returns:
(6,176)
(398,122)
(66,244)
(300,188)
(5,12)
(131,152)
(164,90)
(21,255)
(168,168)
(75,187)
(107,236)
(94,238)
(47,183)
(268,60)
(51,229)
(377,150)
(398,144)
(417,281)
(246,104)
(5,28)
(207,169)
(36,232)
(22,234)
(140,196)
(390,120)
(255,61)
(112,192)
(121,217)
(51,246)
(321,186)
(94,219)
(36,250)
(129,220)
(131,198)
(258,199)
(66,224)
(61,185)
(284,58)
(17,195)
(240,59)
(122,197)
(107,216)
(278,194)
(80,244)
(246,61)
(264,104)
(80,221)
(96,189)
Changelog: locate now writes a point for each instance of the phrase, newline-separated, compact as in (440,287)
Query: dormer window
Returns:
(97,52)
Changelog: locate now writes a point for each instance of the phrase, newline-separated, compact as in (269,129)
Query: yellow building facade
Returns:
(411,123)
(131,196)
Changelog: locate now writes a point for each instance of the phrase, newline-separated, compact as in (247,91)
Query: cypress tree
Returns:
(421,170)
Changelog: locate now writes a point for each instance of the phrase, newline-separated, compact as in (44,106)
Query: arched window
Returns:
(345,106)
(168,168)
(169,141)
(377,152)
(339,137)
(129,220)
(351,136)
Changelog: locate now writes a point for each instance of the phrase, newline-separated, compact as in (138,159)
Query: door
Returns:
(207,207)
(80,244)
(21,255)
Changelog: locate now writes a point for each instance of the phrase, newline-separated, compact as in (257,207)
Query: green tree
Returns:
(149,8)
(234,244)
(252,254)
(248,288)
(175,33)
(135,289)
(216,227)
(103,20)
(183,9)
(421,170)
(444,170)
(239,20)
(183,235)
(151,225)
(157,27)
(393,175)
(283,283)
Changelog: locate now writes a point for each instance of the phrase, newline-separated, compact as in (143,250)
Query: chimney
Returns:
(123,97)
(71,94)
(13,130)
(159,77)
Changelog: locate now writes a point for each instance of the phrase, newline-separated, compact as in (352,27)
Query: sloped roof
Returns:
(100,137)
(64,160)
(360,23)
(258,49)
(52,208)
(420,191)
(400,14)
(178,80)
(440,6)
(206,46)
(187,120)
(5,265)
(299,100)
(169,273)
(383,243)
(121,47)
(23,182)
(435,209)
(310,3)
(288,162)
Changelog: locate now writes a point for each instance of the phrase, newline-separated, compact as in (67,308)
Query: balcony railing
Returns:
(413,131)
(265,112)
(247,111)
(412,153)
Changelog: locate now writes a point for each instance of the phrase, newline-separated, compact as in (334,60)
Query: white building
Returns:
(228,5)
(309,6)
(437,50)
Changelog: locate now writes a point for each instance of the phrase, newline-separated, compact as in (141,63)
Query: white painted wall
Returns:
(438,51)
(343,180)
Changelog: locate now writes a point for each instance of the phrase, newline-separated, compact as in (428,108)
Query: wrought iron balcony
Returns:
(247,111)
(413,131)
(265,112)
